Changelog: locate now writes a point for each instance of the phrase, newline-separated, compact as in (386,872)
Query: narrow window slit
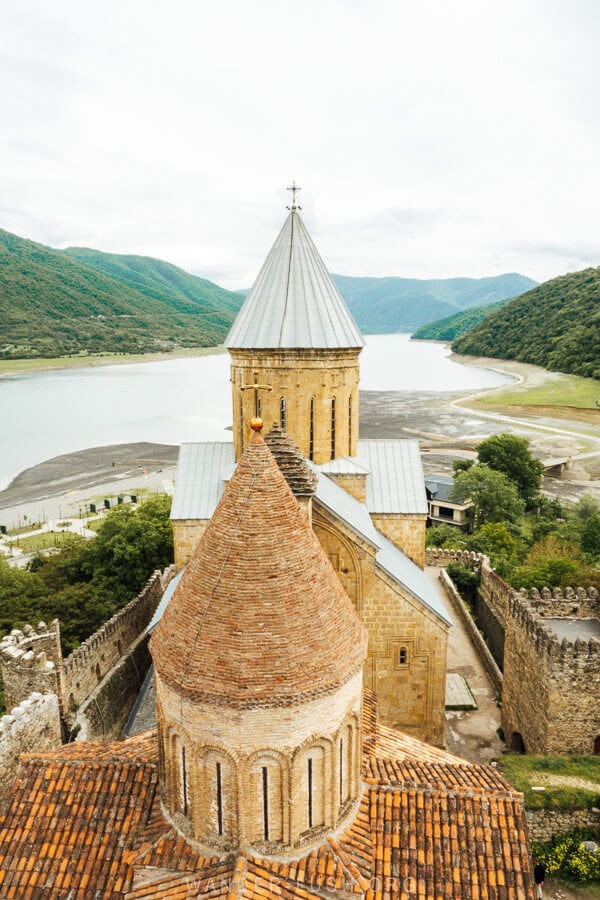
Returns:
(219,801)
(265,786)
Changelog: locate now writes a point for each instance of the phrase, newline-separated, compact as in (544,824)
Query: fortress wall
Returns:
(85,668)
(551,688)
(30,660)
(30,727)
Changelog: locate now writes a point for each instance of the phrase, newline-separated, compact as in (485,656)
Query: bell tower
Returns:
(294,350)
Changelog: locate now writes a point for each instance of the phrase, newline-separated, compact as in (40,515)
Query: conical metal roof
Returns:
(294,302)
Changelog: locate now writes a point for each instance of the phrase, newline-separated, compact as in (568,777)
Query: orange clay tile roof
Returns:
(259,616)
(85,822)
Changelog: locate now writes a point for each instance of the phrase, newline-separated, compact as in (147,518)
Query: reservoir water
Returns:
(45,414)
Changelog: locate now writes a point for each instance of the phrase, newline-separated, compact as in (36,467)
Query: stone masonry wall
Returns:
(410,686)
(85,668)
(297,376)
(30,727)
(551,689)
(104,714)
(405,532)
(31,661)
(543,824)
(186,534)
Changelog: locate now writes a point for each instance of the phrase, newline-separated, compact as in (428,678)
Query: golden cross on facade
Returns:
(293,189)
(256,387)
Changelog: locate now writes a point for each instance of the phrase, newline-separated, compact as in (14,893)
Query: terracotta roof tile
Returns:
(76,827)
(259,616)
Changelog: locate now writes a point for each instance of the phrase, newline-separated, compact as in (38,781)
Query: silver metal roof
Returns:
(395,484)
(164,601)
(388,557)
(404,571)
(201,474)
(346,465)
(294,302)
(346,507)
(203,470)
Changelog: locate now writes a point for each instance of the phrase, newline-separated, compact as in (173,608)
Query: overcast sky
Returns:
(433,138)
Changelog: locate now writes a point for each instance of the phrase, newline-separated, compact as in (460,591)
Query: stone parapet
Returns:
(30,727)
(88,664)
(435,556)
(544,824)
(31,660)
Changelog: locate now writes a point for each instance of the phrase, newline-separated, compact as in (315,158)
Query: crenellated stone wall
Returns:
(550,700)
(85,668)
(30,727)
(550,686)
(31,660)
(435,556)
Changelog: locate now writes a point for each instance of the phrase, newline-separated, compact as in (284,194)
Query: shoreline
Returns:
(58,363)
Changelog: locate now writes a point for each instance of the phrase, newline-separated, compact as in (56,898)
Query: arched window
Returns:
(282,413)
(314,781)
(265,795)
(184,782)
(257,407)
(350,425)
(345,757)
(333,427)
(219,787)
(241,422)
(311,430)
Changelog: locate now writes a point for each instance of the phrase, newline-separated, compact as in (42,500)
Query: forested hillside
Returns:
(555,325)
(54,303)
(387,305)
(454,326)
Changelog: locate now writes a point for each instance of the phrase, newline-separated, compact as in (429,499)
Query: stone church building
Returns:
(269,774)
(272,772)
(295,351)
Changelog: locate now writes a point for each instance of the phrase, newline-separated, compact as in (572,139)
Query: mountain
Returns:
(55,302)
(455,326)
(555,325)
(387,305)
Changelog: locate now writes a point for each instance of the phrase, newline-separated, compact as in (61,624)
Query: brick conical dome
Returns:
(259,616)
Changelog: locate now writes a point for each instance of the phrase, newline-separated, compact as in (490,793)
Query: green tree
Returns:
(444,536)
(590,535)
(494,496)
(554,563)
(510,454)
(128,547)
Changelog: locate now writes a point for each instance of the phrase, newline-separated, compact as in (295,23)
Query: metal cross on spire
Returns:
(293,189)
(256,387)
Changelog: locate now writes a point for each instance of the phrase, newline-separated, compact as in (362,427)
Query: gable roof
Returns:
(388,557)
(202,470)
(86,821)
(294,302)
(395,483)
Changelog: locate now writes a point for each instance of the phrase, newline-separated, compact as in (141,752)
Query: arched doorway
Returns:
(516,743)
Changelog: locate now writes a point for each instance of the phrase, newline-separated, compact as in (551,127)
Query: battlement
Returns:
(436,556)
(87,665)
(31,726)
(546,642)
(31,660)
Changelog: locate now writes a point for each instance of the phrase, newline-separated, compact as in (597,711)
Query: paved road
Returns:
(471,734)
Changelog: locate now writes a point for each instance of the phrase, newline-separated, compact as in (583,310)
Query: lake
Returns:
(45,414)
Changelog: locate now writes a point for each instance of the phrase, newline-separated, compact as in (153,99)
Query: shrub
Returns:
(566,856)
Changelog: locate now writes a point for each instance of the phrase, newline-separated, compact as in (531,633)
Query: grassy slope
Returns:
(556,325)
(392,304)
(53,304)
(456,325)
(526,771)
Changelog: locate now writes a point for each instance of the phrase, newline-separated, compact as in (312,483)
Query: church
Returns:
(295,351)
(270,773)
